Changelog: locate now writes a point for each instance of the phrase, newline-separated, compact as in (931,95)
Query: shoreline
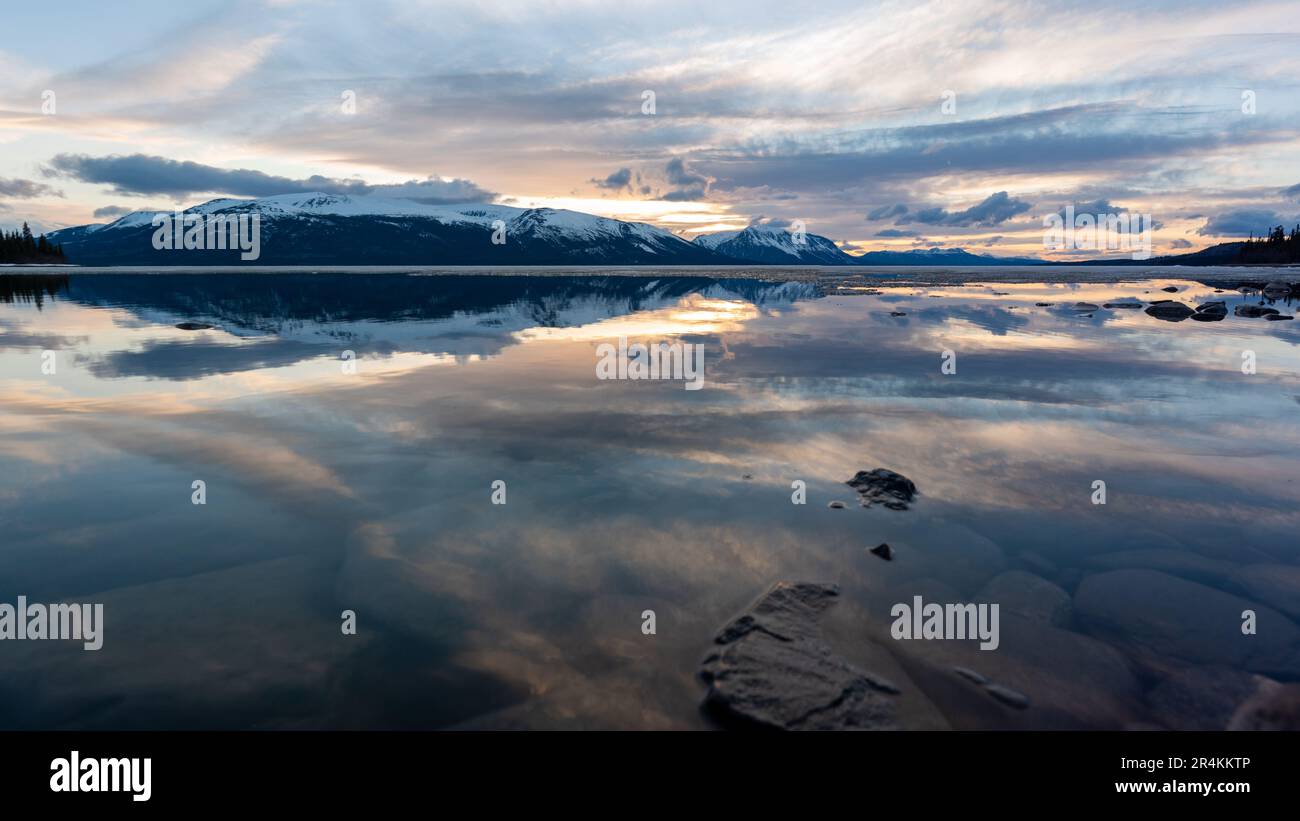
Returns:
(829,275)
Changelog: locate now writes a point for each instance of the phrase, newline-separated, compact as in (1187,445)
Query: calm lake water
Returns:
(372,491)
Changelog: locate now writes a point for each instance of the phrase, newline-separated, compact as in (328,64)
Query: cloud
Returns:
(144,175)
(616,181)
(115,211)
(689,184)
(1097,206)
(430,191)
(887,212)
(895,232)
(26,189)
(994,209)
(1241,222)
(1292,191)
(1180,243)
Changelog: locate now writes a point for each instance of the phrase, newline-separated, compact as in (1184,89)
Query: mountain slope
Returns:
(774,246)
(328,229)
(939,256)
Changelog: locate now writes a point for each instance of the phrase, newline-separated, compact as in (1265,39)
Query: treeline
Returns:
(31,287)
(1276,247)
(22,247)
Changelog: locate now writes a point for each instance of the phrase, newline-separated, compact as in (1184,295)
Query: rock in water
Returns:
(894,490)
(1028,595)
(1156,617)
(1277,290)
(1170,310)
(836,505)
(1275,707)
(193,326)
(884,551)
(1009,697)
(773,670)
(1202,698)
(1253,311)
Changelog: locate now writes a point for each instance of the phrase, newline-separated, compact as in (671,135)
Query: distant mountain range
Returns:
(332,229)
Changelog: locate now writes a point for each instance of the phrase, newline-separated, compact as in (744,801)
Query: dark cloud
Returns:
(995,209)
(689,184)
(144,175)
(887,212)
(697,192)
(115,211)
(1180,243)
(1292,191)
(616,181)
(679,174)
(1241,222)
(1072,138)
(895,232)
(26,189)
(1098,206)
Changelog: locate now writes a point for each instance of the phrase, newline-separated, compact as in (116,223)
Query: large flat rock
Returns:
(772,669)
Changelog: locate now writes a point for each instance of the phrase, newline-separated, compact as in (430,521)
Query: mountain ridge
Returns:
(339,229)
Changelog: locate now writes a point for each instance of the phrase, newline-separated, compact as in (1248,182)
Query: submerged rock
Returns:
(1277,290)
(1067,680)
(1025,594)
(1007,696)
(894,490)
(836,505)
(1275,707)
(1277,585)
(1254,311)
(1157,618)
(1169,310)
(1202,698)
(772,669)
(971,676)
(1083,307)
(1218,307)
(884,551)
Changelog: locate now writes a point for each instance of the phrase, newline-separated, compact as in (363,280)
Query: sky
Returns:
(879,125)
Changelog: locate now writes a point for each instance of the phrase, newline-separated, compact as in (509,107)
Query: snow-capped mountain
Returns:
(938,256)
(333,229)
(774,246)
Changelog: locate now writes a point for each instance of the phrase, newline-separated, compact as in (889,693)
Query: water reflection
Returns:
(370,491)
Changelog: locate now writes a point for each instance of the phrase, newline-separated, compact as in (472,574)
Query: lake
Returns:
(436,455)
